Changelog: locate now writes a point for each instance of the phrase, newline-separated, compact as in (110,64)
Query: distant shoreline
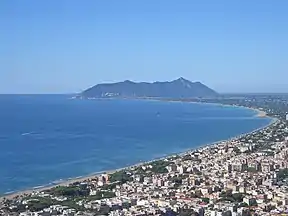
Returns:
(260,113)
(67,182)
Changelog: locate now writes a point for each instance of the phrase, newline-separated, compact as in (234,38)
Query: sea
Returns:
(46,139)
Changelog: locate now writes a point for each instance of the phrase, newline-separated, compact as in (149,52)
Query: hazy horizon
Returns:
(71,93)
(66,46)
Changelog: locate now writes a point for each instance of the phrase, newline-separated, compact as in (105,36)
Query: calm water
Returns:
(47,138)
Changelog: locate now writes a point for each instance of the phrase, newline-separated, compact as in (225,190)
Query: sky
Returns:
(66,46)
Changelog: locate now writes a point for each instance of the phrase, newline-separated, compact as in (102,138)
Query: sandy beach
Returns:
(71,181)
(261,114)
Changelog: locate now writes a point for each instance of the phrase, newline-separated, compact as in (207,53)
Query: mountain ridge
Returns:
(179,88)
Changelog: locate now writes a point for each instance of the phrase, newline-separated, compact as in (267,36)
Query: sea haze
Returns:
(47,138)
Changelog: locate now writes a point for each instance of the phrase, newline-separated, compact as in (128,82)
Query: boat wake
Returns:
(26,134)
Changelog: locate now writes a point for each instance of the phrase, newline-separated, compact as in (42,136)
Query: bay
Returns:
(45,138)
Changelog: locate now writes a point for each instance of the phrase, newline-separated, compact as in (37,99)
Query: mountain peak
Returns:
(128,81)
(184,82)
(181,79)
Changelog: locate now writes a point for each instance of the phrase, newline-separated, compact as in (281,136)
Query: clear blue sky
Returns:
(63,46)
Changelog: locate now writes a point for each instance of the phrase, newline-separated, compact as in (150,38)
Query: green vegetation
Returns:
(157,167)
(40,203)
(252,169)
(269,153)
(228,196)
(109,187)
(101,195)
(227,193)
(69,191)
(160,166)
(206,200)
(72,204)
(282,174)
(243,205)
(253,202)
(121,176)
(104,210)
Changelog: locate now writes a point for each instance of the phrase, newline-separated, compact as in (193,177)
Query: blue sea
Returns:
(47,138)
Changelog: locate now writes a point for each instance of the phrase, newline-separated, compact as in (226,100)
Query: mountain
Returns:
(180,88)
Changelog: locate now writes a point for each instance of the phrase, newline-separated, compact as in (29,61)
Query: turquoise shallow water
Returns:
(47,138)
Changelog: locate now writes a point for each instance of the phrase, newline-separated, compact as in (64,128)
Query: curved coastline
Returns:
(66,182)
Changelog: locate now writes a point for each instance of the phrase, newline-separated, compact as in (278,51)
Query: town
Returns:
(243,176)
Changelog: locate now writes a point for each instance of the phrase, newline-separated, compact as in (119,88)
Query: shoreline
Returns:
(67,182)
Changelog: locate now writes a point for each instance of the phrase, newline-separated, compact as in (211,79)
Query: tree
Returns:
(282,174)
(120,176)
(236,150)
(70,191)
(39,204)
(253,202)
(238,197)
(227,193)
(160,166)
(109,186)
(206,200)
(243,205)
